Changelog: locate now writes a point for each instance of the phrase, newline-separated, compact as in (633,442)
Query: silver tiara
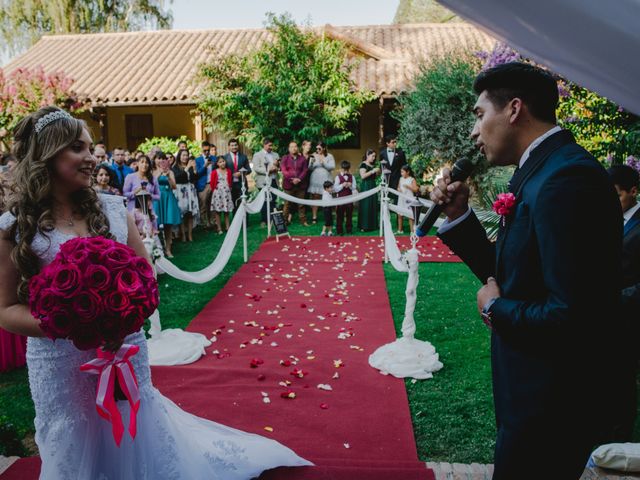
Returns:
(51,117)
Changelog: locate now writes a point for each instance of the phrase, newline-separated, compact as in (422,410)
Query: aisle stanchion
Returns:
(268,200)
(244,216)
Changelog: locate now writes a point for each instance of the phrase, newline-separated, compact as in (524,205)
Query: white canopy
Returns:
(594,43)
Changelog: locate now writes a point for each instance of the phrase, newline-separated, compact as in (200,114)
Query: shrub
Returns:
(436,117)
(169,145)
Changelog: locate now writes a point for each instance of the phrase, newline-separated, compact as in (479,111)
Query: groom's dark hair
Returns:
(536,87)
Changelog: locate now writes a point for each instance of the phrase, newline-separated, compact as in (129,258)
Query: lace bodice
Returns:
(47,245)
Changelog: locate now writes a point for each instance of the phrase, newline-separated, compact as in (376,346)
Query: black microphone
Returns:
(459,173)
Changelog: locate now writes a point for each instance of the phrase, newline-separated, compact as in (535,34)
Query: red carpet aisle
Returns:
(300,319)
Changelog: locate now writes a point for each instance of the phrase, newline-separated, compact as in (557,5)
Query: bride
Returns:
(53,203)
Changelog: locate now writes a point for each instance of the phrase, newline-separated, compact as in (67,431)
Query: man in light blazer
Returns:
(266,164)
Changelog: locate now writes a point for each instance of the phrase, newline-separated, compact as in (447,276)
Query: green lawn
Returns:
(452,413)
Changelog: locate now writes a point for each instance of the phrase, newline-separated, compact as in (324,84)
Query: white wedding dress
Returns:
(76,443)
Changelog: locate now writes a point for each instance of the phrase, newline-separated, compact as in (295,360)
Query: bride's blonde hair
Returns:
(31,202)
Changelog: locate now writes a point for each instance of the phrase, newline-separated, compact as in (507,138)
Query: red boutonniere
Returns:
(504,205)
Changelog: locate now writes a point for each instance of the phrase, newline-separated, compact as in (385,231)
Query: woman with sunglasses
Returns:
(321,164)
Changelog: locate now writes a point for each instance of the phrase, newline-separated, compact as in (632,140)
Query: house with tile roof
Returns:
(141,84)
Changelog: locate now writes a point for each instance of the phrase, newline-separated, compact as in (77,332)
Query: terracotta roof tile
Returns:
(158,66)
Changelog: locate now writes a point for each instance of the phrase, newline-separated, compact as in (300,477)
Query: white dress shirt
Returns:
(630,213)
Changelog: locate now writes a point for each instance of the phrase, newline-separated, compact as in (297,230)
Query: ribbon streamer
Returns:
(110,366)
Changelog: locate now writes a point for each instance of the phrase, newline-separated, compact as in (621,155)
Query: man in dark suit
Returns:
(236,161)
(395,159)
(551,289)
(626,180)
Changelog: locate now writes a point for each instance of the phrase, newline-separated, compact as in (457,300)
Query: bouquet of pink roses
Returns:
(95,292)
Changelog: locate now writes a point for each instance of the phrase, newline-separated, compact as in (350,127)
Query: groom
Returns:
(551,281)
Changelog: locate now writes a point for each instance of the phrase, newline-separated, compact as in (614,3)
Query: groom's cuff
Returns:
(448,225)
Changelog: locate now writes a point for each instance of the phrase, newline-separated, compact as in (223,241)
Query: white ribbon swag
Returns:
(406,357)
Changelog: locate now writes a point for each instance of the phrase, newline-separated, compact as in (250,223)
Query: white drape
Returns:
(322,203)
(594,43)
(390,244)
(210,272)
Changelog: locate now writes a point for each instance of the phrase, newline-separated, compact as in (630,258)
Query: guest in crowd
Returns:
(235,162)
(321,164)
(145,218)
(182,145)
(266,164)
(101,155)
(13,348)
(142,185)
(394,158)
(184,172)
(202,183)
(407,186)
(172,160)
(327,196)
(102,146)
(344,185)
(166,207)
(104,180)
(221,198)
(368,207)
(120,168)
(626,181)
(8,162)
(294,172)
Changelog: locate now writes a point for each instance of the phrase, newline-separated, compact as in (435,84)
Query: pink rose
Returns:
(117,302)
(142,267)
(504,204)
(97,277)
(58,323)
(78,257)
(116,258)
(132,321)
(99,244)
(87,337)
(127,281)
(70,246)
(87,305)
(110,328)
(45,301)
(66,280)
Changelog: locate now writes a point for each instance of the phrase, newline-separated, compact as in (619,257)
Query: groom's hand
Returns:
(487,292)
(454,197)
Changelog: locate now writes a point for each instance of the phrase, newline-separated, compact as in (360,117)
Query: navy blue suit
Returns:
(556,328)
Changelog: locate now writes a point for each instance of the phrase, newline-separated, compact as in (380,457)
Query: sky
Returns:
(202,14)
(211,14)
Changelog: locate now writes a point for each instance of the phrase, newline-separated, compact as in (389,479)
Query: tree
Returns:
(423,11)
(25,91)
(436,116)
(295,86)
(23,22)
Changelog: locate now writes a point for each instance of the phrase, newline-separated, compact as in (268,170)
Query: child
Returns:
(327,195)
(408,186)
(344,186)
(144,216)
(221,200)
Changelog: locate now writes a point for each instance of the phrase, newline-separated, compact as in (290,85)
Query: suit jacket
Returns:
(201,171)
(261,166)
(559,304)
(120,175)
(294,168)
(399,159)
(631,251)
(243,162)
